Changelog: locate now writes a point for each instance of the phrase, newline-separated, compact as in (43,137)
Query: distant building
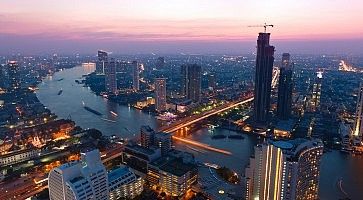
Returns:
(110,77)
(124,184)
(285,170)
(101,62)
(135,76)
(191,80)
(85,179)
(160,94)
(316,93)
(284,100)
(212,85)
(263,79)
(160,62)
(13,75)
(358,123)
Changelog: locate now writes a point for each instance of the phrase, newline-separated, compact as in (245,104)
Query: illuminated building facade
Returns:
(173,175)
(191,82)
(263,177)
(124,184)
(135,76)
(263,79)
(110,77)
(160,94)
(101,62)
(284,100)
(285,170)
(358,124)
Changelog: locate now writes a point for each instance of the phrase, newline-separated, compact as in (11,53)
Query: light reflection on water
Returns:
(335,165)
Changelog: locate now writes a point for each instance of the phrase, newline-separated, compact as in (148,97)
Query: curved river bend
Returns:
(335,165)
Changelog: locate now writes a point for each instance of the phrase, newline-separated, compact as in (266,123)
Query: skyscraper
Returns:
(263,78)
(101,62)
(160,62)
(85,179)
(191,81)
(358,123)
(110,77)
(13,75)
(160,94)
(316,92)
(135,76)
(284,99)
(212,82)
(285,170)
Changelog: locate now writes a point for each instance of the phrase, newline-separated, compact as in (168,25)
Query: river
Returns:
(336,166)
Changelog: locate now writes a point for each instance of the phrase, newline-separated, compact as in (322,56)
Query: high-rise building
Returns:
(110,77)
(191,81)
(263,78)
(316,93)
(13,75)
(285,170)
(160,94)
(212,82)
(164,142)
(135,76)
(85,179)
(358,123)
(147,135)
(101,62)
(160,62)
(284,100)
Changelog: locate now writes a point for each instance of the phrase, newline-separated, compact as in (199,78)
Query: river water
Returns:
(336,166)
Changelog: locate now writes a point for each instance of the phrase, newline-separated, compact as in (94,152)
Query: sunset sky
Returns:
(173,26)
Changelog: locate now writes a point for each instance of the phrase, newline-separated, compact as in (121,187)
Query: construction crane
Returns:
(264,26)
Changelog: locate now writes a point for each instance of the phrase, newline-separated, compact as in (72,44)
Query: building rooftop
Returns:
(67,165)
(116,173)
(173,165)
(285,125)
(141,149)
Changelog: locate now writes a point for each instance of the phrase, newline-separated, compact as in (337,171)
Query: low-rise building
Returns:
(18,156)
(173,174)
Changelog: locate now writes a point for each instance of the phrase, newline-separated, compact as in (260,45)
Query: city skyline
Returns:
(182,99)
(178,26)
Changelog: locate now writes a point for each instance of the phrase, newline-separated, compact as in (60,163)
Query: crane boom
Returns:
(264,26)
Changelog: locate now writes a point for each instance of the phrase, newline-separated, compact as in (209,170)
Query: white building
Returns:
(124,184)
(85,179)
(285,170)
